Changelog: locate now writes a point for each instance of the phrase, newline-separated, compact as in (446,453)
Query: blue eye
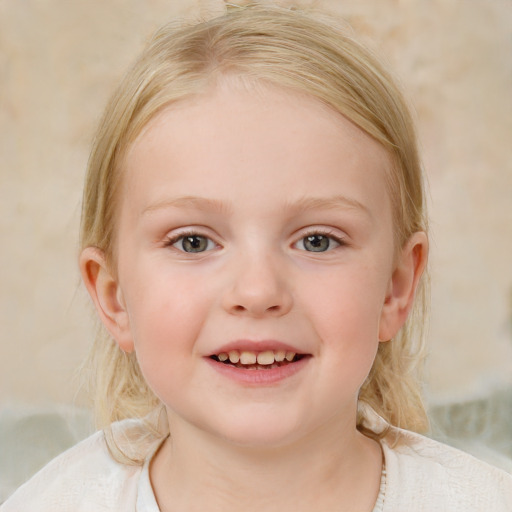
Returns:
(193,243)
(317,242)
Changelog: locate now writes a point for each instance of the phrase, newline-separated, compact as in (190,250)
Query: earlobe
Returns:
(106,295)
(403,284)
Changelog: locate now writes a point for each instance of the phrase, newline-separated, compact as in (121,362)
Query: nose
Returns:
(257,288)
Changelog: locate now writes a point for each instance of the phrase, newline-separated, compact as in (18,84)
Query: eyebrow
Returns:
(329,203)
(199,203)
(302,205)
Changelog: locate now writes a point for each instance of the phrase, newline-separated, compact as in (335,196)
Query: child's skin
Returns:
(254,171)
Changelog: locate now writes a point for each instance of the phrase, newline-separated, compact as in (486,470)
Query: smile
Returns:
(251,360)
(252,363)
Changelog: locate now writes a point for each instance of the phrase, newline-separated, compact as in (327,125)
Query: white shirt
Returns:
(421,475)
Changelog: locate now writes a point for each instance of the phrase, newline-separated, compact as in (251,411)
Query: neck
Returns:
(330,470)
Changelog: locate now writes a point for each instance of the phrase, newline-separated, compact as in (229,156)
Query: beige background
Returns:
(59,61)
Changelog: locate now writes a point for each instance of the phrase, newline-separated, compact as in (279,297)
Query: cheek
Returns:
(350,344)
(346,305)
(166,313)
(345,313)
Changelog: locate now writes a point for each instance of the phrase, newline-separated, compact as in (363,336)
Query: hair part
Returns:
(282,48)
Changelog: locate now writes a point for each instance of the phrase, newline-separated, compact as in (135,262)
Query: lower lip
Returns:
(259,377)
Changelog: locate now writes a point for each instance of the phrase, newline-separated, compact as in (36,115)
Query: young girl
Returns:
(253,239)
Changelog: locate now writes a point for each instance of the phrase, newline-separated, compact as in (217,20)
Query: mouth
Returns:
(253,360)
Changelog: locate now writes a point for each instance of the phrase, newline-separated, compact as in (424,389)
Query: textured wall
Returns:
(58,63)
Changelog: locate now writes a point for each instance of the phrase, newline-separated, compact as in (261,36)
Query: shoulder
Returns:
(85,477)
(428,475)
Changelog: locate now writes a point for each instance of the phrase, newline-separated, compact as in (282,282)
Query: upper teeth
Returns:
(265,358)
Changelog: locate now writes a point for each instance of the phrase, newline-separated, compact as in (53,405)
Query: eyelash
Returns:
(172,240)
(328,234)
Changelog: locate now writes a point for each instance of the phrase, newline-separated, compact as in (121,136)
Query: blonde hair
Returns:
(288,49)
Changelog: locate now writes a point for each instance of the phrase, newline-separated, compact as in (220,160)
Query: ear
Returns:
(107,296)
(402,285)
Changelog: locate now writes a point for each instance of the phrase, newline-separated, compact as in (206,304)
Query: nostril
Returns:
(238,308)
(244,300)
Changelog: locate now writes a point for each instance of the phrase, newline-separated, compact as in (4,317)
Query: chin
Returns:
(261,432)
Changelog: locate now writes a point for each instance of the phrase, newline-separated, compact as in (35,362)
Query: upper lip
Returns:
(256,346)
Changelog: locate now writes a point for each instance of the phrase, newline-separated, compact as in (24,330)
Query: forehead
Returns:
(235,140)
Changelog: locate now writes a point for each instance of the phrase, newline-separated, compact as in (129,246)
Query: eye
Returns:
(318,242)
(192,243)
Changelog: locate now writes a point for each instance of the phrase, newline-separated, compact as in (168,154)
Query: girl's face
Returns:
(255,225)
